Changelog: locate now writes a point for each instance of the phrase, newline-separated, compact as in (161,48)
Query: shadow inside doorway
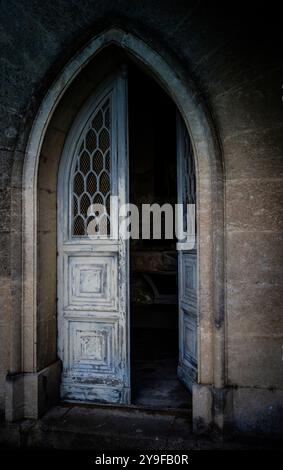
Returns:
(154,262)
(154,354)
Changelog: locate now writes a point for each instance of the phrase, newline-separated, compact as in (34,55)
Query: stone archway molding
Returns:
(24,391)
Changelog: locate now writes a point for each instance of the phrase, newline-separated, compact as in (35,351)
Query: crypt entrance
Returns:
(127,309)
(65,111)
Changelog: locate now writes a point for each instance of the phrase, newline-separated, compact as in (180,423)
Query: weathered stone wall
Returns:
(234,58)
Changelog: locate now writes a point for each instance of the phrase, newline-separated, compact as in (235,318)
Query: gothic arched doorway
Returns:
(51,126)
(95,309)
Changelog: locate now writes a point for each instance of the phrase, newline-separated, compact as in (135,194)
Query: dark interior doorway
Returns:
(153,277)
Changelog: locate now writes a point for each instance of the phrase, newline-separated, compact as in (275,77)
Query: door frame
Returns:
(173,77)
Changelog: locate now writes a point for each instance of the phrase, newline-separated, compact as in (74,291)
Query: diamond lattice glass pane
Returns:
(90,141)
(75,205)
(78,184)
(85,162)
(97,122)
(189,179)
(85,204)
(98,199)
(91,185)
(107,161)
(79,226)
(104,183)
(97,162)
(104,140)
(92,174)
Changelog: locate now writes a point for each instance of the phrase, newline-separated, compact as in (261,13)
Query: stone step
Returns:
(97,429)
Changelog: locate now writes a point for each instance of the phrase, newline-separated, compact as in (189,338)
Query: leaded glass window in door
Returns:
(91,179)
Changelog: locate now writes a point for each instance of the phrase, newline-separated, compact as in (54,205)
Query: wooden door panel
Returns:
(188,281)
(93,315)
(92,282)
(187,263)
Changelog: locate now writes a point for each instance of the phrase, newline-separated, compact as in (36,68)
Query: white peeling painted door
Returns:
(93,336)
(187,260)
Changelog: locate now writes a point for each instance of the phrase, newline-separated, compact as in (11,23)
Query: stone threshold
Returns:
(182,412)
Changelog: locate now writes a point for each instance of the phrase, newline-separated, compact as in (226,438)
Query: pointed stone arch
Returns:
(170,74)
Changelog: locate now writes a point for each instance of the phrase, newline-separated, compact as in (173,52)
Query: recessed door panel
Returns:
(92,281)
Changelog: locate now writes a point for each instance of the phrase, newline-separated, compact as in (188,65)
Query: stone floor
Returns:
(155,384)
(159,419)
(154,378)
(112,428)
